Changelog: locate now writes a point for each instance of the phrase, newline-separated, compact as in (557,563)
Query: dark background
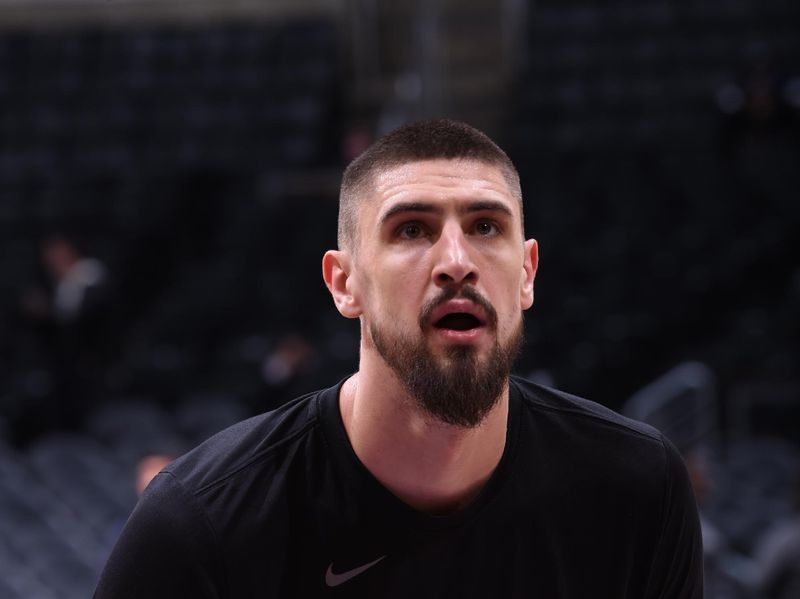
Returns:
(195,151)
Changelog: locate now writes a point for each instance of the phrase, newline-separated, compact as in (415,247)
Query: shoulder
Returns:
(571,408)
(595,446)
(259,443)
(593,434)
(216,501)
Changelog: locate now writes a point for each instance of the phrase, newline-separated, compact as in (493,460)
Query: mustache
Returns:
(468,293)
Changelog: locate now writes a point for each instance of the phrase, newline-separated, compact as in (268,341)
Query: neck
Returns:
(432,466)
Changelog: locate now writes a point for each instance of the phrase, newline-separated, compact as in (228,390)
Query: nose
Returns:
(453,259)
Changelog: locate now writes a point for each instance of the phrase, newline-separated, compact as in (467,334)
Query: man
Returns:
(74,321)
(429,472)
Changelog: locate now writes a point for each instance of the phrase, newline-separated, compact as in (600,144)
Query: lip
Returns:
(454,337)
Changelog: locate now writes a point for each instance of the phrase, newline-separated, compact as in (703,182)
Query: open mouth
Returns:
(458,321)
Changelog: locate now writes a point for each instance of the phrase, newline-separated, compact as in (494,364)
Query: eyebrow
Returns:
(477,206)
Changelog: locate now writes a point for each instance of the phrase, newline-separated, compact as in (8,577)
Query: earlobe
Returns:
(530,264)
(336,271)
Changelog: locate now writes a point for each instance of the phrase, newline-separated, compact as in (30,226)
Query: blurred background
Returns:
(168,183)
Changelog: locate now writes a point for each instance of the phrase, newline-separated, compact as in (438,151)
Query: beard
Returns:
(459,389)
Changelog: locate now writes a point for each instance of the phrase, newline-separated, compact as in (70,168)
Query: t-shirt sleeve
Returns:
(677,570)
(166,549)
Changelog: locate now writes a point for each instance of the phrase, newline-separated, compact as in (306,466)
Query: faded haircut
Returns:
(415,142)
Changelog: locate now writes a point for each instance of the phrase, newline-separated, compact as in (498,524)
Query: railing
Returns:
(681,403)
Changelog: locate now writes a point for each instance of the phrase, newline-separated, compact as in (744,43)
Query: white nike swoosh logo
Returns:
(332,579)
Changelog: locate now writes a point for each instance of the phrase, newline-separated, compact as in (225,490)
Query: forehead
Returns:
(440,180)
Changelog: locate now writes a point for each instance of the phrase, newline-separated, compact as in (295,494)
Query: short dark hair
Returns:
(415,142)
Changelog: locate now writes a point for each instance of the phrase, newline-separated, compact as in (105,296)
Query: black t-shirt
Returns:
(583,504)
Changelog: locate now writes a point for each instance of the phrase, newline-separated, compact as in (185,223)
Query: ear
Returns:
(336,269)
(529,266)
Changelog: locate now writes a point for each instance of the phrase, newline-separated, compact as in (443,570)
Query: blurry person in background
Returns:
(148,467)
(761,113)
(74,321)
(760,138)
(716,550)
(430,472)
(286,369)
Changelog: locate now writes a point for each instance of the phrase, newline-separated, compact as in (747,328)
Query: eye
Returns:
(410,231)
(486,228)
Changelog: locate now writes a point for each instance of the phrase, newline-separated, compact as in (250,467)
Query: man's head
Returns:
(59,255)
(433,262)
(415,142)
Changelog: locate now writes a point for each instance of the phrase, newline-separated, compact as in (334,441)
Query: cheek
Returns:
(507,302)
(392,292)
(403,274)
(509,318)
